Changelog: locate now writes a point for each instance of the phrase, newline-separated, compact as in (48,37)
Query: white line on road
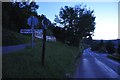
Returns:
(110,71)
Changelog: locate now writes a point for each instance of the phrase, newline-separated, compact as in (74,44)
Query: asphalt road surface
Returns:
(14,48)
(9,49)
(93,65)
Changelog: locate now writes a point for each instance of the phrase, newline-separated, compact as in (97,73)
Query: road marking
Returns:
(113,74)
(107,58)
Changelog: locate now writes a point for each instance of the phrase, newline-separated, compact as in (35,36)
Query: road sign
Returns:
(39,33)
(32,21)
(29,31)
(25,31)
(45,23)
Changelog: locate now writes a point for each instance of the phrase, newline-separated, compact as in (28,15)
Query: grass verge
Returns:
(59,61)
(14,38)
(117,58)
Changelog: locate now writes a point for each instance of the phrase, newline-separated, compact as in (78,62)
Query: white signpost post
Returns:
(32,21)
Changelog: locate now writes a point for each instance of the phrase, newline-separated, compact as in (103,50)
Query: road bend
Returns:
(9,49)
(93,65)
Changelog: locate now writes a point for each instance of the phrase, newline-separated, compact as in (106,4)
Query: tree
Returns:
(15,14)
(118,50)
(77,21)
(88,40)
(110,47)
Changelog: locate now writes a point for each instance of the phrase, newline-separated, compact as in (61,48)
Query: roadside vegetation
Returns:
(59,61)
(107,47)
(60,55)
(10,38)
(116,55)
(98,47)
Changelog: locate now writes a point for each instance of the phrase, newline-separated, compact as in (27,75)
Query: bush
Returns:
(102,47)
(98,46)
(95,46)
(10,37)
(59,62)
(118,50)
(110,47)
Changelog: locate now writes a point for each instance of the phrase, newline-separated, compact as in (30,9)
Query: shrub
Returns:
(102,47)
(98,46)
(10,37)
(118,50)
(110,47)
(95,46)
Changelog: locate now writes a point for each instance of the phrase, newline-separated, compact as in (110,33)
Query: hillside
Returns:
(10,37)
(59,61)
(115,41)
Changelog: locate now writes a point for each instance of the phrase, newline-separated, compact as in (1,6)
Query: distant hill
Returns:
(115,41)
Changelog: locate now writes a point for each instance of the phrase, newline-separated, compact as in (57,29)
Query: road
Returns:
(93,65)
(9,49)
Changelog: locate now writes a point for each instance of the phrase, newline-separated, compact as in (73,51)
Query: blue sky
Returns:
(106,16)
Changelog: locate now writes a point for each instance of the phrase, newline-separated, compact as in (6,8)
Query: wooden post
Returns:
(43,46)
(45,23)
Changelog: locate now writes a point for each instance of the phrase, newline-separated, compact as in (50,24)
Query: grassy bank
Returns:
(10,37)
(117,58)
(59,61)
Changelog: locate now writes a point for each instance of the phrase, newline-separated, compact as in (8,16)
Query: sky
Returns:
(106,16)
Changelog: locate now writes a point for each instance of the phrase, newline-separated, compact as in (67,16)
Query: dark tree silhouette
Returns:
(78,22)
(110,47)
(15,14)
(118,50)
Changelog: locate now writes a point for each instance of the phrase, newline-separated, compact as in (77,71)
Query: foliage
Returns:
(14,18)
(98,46)
(15,14)
(88,40)
(58,32)
(59,60)
(117,58)
(77,23)
(118,50)
(13,38)
(95,46)
(110,47)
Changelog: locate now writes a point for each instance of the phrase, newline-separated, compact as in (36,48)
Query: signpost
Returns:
(25,31)
(32,21)
(45,23)
(29,31)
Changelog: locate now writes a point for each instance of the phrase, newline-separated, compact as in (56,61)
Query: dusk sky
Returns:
(106,16)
